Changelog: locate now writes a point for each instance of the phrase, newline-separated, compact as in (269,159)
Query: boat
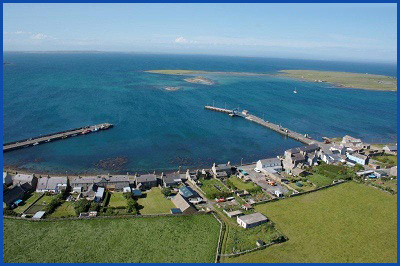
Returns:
(74,135)
(86,131)
(295,91)
(36,143)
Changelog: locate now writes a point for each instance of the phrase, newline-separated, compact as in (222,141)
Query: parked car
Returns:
(220,200)
(257,170)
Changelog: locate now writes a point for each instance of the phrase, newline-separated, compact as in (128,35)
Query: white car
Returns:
(257,170)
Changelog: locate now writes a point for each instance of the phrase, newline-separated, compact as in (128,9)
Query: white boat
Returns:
(295,91)
(36,143)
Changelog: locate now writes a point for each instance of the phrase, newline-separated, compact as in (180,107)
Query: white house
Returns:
(269,166)
(251,220)
(358,158)
(52,184)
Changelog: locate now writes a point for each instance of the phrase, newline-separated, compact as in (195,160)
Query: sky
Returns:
(348,32)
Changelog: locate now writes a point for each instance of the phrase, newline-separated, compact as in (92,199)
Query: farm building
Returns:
(233,213)
(182,204)
(251,220)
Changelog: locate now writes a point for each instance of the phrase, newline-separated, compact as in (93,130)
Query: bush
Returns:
(230,185)
(54,203)
(94,206)
(166,191)
(128,195)
(9,212)
(107,198)
(132,206)
(81,206)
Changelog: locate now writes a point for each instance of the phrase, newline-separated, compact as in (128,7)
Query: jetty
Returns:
(54,136)
(304,138)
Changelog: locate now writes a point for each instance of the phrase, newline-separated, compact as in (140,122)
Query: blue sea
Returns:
(159,130)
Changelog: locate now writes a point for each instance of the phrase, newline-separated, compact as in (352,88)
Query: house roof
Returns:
(306,149)
(391,147)
(51,183)
(270,162)
(223,167)
(181,203)
(22,178)
(360,156)
(99,192)
(187,192)
(38,215)
(253,218)
(10,196)
(172,178)
(146,178)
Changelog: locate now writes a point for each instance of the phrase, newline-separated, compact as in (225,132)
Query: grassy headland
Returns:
(345,79)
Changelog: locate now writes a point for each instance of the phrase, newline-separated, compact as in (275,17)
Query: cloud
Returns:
(39,36)
(182,40)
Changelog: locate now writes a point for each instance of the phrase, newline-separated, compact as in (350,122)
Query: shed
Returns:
(38,215)
(251,220)
(233,213)
(176,211)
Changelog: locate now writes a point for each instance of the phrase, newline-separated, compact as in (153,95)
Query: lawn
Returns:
(40,205)
(320,180)
(65,210)
(154,202)
(117,200)
(34,196)
(347,223)
(212,187)
(133,240)
(240,184)
(387,160)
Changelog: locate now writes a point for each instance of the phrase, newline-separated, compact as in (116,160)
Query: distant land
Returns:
(196,72)
(345,79)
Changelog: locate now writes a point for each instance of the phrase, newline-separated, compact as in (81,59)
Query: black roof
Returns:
(10,196)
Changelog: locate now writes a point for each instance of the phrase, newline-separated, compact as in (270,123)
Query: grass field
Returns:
(34,196)
(153,239)
(240,184)
(117,200)
(155,202)
(347,223)
(345,79)
(65,210)
(40,205)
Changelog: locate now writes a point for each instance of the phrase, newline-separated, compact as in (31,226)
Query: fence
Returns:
(220,238)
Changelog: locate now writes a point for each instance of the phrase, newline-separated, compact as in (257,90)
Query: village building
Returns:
(393,171)
(390,149)
(349,141)
(20,179)
(222,170)
(15,194)
(233,214)
(189,194)
(269,166)
(54,184)
(171,179)
(302,155)
(7,179)
(355,158)
(251,220)
(183,204)
(146,181)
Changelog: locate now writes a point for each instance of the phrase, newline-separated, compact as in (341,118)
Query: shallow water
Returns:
(159,130)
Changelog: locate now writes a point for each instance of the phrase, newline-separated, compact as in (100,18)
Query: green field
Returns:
(387,160)
(65,210)
(154,202)
(345,79)
(34,196)
(153,239)
(117,200)
(240,184)
(347,223)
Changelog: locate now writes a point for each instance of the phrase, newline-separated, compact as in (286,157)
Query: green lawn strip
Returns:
(320,180)
(388,160)
(344,223)
(240,184)
(209,186)
(65,210)
(34,196)
(134,240)
(154,202)
(117,200)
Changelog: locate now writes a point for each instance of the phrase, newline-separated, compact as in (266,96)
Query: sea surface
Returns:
(159,130)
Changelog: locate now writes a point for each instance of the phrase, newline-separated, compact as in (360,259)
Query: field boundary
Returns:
(105,217)
(220,237)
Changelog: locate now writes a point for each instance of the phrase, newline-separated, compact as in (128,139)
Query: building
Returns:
(305,155)
(83,183)
(193,177)
(7,179)
(350,141)
(183,204)
(393,171)
(171,180)
(20,179)
(53,184)
(18,192)
(233,214)
(176,211)
(221,170)
(251,220)
(380,173)
(357,158)
(269,166)
(147,181)
(115,182)
(99,194)
(38,215)
(390,149)
(112,183)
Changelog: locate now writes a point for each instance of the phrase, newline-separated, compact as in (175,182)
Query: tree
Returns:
(94,206)
(166,191)
(132,206)
(81,206)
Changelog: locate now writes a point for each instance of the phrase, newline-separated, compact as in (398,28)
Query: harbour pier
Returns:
(54,136)
(304,138)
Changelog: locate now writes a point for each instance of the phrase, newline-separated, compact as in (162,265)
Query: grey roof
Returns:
(76,180)
(146,178)
(171,178)
(10,196)
(223,167)
(270,162)
(22,178)
(298,157)
(51,183)
(392,147)
(181,203)
(38,215)
(306,149)
(253,218)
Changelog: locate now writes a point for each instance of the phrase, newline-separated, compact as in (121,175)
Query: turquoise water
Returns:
(161,130)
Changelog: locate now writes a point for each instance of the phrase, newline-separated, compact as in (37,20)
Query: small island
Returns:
(345,79)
